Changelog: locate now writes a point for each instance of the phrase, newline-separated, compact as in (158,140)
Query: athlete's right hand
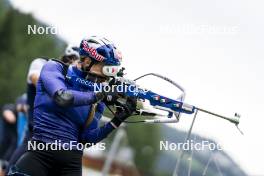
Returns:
(109,98)
(123,111)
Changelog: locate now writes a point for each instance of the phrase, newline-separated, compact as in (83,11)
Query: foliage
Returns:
(18,49)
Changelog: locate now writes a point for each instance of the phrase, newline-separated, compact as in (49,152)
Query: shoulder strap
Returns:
(44,57)
(65,66)
(90,116)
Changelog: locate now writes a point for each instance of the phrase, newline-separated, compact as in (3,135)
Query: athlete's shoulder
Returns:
(35,68)
(54,62)
(39,61)
(52,65)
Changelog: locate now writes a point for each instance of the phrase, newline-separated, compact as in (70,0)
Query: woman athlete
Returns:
(66,113)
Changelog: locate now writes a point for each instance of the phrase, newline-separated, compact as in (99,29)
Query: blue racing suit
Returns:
(53,122)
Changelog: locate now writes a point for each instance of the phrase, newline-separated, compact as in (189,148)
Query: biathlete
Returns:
(68,112)
(70,56)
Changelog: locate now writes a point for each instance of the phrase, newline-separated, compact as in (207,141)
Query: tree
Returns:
(18,49)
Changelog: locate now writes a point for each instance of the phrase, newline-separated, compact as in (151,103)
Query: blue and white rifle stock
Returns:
(167,104)
(172,106)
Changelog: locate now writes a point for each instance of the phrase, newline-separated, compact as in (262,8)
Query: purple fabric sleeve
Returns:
(97,134)
(53,80)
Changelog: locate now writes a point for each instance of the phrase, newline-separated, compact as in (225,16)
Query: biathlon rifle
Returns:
(174,107)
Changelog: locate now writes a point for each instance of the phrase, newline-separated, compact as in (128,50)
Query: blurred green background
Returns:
(17,50)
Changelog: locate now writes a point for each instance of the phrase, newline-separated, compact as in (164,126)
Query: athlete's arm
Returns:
(34,79)
(8,113)
(97,134)
(54,82)
(9,116)
(34,71)
(94,133)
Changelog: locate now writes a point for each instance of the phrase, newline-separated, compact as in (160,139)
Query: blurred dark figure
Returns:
(9,135)
(32,79)
(13,128)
